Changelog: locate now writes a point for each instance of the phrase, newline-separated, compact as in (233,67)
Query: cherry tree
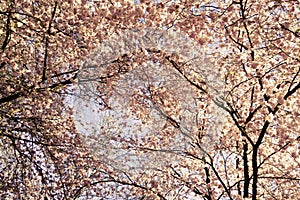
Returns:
(173,99)
(42,44)
(253,48)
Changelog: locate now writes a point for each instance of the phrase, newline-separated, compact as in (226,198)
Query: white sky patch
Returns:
(101,128)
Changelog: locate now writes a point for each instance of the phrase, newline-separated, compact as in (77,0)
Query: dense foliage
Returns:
(209,111)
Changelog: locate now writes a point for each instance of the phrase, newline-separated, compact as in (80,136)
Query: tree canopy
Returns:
(172,99)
